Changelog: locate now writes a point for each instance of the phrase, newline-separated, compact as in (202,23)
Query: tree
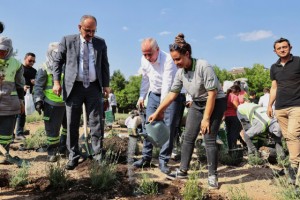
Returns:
(117,81)
(258,78)
(223,75)
(130,95)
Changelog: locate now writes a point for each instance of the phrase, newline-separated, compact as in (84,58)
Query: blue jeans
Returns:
(170,119)
(21,118)
(192,130)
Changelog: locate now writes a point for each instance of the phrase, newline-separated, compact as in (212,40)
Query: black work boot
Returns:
(52,154)
(63,145)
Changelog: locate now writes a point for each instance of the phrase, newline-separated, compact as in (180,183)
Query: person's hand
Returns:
(270,112)
(26,87)
(56,88)
(22,109)
(39,106)
(156,116)
(140,103)
(106,91)
(32,81)
(205,126)
(188,104)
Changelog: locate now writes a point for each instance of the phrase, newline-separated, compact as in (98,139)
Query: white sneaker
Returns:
(213,182)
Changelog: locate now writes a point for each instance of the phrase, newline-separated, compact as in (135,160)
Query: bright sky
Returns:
(227,33)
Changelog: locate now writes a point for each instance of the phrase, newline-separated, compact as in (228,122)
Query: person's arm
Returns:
(210,105)
(273,91)
(40,84)
(158,114)
(235,102)
(145,84)
(105,68)
(58,62)
(20,82)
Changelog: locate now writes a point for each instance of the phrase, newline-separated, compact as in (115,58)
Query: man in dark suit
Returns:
(86,78)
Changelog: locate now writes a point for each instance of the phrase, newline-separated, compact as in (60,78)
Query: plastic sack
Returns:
(29,104)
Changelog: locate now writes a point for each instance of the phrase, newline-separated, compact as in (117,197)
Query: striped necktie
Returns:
(86,79)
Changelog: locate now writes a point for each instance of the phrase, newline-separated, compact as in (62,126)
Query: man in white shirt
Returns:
(264,100)
(158,71)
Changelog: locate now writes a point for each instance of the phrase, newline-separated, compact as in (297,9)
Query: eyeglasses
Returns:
(89,31)
(31,61)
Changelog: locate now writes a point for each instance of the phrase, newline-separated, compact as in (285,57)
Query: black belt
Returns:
(156,94)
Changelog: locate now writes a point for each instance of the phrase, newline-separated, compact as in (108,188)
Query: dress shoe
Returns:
(141,163)
(164,168)
(71,165)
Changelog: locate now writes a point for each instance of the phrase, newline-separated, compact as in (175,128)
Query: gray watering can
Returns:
(158,133)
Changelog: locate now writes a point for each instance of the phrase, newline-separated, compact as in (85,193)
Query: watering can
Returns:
(158,133)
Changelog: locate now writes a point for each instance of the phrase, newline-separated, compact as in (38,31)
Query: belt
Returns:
(156,94)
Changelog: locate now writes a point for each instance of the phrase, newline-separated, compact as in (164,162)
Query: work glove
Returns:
(39,106)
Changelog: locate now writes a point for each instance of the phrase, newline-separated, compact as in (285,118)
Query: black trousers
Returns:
(92,97)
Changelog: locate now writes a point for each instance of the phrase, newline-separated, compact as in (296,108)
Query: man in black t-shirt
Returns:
(285,76)
(29,75)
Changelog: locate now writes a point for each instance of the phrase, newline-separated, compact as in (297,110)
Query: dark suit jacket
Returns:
(68,55)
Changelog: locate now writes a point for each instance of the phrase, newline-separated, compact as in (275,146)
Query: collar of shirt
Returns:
(193,66)
(82,40)
(278,63)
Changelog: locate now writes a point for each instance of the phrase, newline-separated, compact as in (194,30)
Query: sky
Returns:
(226,33)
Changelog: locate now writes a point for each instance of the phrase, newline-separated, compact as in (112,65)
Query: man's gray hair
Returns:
(84,17)
(153,43)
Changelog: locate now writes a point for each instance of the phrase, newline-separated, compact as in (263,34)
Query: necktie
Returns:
(86,79)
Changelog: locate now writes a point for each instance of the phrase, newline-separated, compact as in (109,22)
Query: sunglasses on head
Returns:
(175,47)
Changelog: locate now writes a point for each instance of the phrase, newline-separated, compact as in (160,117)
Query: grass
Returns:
(103,175)
(20,178)
(36,139)
(121,116)
(147,186)
(236,193)
(232,159)
(192,190)
(58,176)
(113,133)
(35,117)
(287,191)
(255,160)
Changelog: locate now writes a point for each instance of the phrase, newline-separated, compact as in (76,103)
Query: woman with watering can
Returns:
(206,111)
